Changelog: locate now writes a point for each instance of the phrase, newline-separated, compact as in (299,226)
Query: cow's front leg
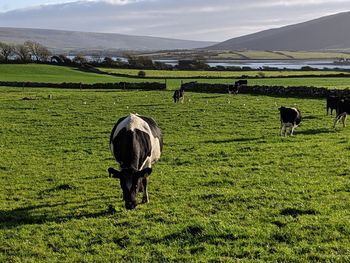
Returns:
(144,189)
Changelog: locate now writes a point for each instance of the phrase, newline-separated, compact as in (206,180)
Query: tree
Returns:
(37,51)
(6,51)
(79,59)
(22,53)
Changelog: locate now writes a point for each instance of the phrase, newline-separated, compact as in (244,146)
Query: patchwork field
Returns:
(227,188)
(59,74)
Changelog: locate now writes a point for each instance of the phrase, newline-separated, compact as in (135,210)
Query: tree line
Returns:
(34,52)
(29,51)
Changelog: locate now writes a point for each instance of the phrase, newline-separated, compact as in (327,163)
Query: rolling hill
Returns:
(325,33)
(61,40)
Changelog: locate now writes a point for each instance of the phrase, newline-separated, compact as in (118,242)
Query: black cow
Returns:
(136,143)
(332,103)
(290,117)
(179,95)
(343,108)
(241,82)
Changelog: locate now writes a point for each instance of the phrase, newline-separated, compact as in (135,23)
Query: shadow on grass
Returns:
(295,212)
(315,131)
(29,215)
(309,117)
(192,235)
(233,140)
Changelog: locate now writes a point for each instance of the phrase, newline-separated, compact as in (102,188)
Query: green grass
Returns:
(227,188)
(50,73)
(57,74)
(218,74)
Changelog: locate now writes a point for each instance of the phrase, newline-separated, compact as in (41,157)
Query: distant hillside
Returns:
(325,33)
(60,40)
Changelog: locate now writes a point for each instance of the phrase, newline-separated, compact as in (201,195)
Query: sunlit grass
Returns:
(227,187)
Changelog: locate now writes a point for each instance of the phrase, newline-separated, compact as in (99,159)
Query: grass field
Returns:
(218,74)
(228,188)
(52,74)
(57,74)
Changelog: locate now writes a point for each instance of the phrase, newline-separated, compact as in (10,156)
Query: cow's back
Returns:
(136,142)
(290,115)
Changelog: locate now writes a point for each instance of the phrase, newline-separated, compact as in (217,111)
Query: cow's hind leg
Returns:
(144,182)
(337,118)
(292,129)
(283,130)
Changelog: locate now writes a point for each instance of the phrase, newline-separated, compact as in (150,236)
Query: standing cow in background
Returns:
(238,84)
(179,95)
(343,108)
(332,103)
(290,118)
(136,143)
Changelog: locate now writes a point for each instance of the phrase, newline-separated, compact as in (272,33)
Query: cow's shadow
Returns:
(29,215)
(315,131)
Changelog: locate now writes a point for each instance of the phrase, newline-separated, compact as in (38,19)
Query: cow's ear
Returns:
(145,172)
(113,173)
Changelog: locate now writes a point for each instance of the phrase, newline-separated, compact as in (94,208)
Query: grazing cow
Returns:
(136,143)
(233,89)
(332,103)
(238,84)
(343,108)
(290,117)
(179,95)
(241,82)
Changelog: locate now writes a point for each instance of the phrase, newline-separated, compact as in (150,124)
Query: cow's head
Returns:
(130,182)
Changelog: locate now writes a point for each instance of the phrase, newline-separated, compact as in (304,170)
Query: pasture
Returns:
(59,74)
(227,188)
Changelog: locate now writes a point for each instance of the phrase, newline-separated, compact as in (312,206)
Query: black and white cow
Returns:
(343,108)
(179,95)
(290,118)
(233,89)
(136,143)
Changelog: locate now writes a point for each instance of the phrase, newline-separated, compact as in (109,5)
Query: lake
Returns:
(280,64)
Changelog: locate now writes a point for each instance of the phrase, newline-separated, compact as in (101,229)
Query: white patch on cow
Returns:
(133,122)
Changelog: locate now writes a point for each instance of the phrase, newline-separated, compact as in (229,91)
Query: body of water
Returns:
(280,64)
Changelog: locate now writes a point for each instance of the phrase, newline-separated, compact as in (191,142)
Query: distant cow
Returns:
(233,89)
(179,95)
(290,118)
(343,108)
(136,143)
(241,82)
(238,84)
(332,102)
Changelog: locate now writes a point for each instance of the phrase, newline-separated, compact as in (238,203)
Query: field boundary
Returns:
(281,91)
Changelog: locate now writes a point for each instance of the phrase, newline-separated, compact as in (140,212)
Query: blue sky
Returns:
(211,20)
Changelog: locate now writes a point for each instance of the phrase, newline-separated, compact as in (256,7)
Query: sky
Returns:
(205,20)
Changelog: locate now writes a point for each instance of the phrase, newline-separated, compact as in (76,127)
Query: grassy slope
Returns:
(47,73)
(220,74)
(226,188)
